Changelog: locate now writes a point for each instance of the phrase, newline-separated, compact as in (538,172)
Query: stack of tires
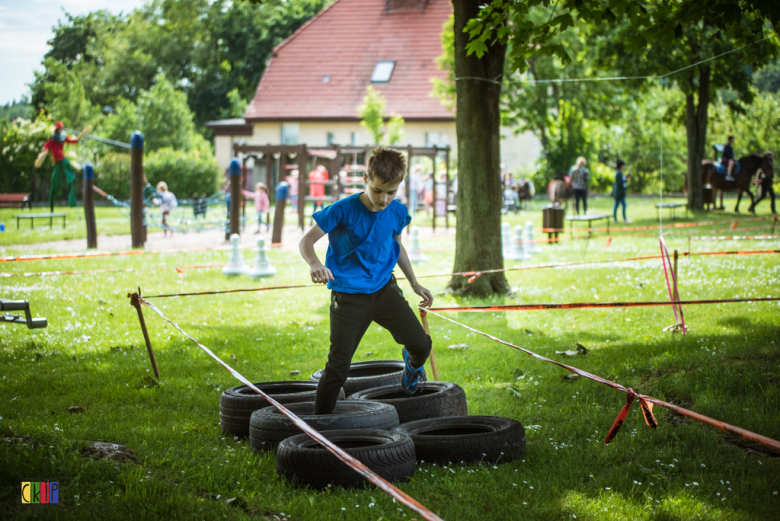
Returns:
(378,424)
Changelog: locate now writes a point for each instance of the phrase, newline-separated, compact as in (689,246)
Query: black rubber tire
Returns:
(267,427)
(304,461)
(490,439)
(367,375)
(434,400)
(237,404)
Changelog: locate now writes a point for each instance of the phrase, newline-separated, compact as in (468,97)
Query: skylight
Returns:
(383,71)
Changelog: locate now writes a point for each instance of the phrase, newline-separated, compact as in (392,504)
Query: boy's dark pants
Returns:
(350,316)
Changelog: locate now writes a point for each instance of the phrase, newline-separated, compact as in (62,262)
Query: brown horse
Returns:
(749,165)
(557,192)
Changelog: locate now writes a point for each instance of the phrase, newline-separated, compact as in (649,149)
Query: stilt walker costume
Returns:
(62,165)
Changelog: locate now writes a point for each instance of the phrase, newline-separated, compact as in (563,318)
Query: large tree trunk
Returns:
(696,132)
(478,240)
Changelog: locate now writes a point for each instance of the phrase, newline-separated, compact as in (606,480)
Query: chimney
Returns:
(406,5)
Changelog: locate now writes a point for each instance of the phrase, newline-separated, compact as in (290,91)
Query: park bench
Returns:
(589,218)
(33,216)
(11,200)
(672,207)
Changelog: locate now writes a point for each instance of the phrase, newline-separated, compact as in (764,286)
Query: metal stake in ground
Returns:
(135,301)
(434,367)
(89,206)
(137,231)
(235,198)
(675,267)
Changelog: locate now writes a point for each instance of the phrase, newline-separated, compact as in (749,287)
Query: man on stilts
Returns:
(62,165)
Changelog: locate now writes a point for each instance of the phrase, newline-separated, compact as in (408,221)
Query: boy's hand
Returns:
(425,294)
(320,274)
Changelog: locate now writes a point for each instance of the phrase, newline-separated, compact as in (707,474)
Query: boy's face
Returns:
(379,192)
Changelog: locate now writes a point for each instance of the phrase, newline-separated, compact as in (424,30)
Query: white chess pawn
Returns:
(530,242)
(236,264)
(506,240)
(518,246)
(262,267)
(415,252)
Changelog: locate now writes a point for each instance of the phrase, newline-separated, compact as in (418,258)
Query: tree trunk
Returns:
(478,240)
(696,132)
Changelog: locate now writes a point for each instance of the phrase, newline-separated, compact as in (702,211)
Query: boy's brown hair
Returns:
(387,164)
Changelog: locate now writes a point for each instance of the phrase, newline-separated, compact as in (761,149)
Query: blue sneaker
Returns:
(412,376)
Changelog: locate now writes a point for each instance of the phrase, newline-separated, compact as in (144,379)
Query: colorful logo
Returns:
(40,492)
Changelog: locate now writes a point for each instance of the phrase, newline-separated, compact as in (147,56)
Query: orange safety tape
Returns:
(334,449)
(645,401)
(585,305)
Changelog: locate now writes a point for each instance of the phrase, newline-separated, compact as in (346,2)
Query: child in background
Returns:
(428,193)
(262,204)
(167,203)
(619,190)
(364,235)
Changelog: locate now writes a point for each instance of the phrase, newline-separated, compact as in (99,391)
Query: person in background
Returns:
(441,195)
(728,160)
(428,193)
(319,174)
(619,190)
(167,202)
(292,181)
(262,204)
(580,177)
(415,186)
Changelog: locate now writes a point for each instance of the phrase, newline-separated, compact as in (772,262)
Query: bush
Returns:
(185,173)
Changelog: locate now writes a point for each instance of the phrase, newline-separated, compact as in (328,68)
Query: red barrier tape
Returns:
(733,237)
(584,305)
(354,464)
(645,401)
(89,255)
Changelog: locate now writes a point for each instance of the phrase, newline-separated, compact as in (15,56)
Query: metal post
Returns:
(676,279)
(235,197)
(135,301)
(432,357)
(137,231)
(302,178)
(89,206)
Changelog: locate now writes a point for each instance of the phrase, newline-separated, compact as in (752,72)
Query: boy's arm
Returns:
(319,273)
(406,267)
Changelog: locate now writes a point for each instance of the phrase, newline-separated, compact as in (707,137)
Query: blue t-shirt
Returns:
(363,250)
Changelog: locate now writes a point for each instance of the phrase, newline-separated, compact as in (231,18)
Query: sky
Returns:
(26,26)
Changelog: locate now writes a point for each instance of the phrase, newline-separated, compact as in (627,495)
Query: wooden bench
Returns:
(672,207)
(11,200)
(589,218)
(33,216)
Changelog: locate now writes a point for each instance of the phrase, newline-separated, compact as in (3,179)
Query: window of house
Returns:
(382,71)
(331,138)
(355,139)
(290,133)
(432,139)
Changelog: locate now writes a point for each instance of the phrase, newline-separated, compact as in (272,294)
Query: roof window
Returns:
(383,71)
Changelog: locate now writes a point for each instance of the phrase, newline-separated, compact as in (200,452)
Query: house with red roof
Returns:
(317,78)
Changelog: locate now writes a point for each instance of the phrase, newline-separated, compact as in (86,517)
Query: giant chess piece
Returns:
(530,242)
(415,254)
(518,252)
(236,264)
(506,240)
(262,267)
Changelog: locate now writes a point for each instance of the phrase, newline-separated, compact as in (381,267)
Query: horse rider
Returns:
(728,160)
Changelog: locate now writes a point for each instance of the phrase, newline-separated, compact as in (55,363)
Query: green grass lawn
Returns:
(92,355)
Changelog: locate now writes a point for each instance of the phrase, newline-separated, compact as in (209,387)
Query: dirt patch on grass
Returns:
(751,447)
(107,450)
(674,418)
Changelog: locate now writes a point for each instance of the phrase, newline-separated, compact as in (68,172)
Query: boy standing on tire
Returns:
(364,231)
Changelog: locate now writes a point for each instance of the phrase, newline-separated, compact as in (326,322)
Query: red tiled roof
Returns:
(345,41)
